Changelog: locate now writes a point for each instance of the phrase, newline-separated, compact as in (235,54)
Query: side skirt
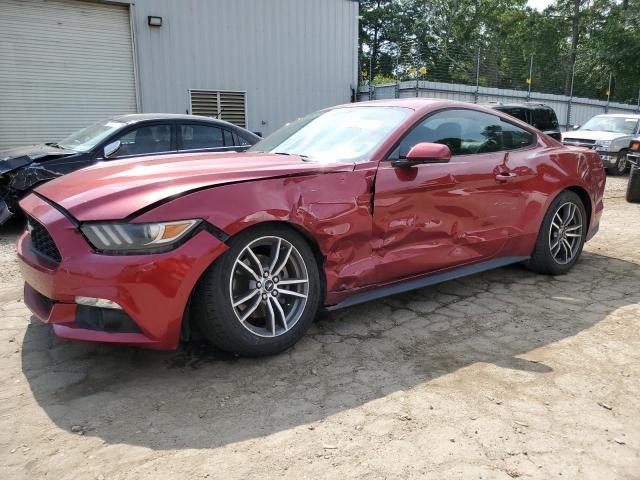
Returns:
(425,281)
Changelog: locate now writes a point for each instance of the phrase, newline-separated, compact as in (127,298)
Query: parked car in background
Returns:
(541,116)
(343,206)
(126,136)
(609,135)
(633,155)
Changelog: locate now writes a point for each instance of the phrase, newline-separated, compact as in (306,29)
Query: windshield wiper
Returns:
(55,145)
(304,157)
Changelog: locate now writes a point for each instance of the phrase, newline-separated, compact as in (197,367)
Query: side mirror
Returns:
(575,127)
(111,148)
(425,153)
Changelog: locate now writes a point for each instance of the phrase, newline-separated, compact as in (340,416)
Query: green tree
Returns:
(598,37)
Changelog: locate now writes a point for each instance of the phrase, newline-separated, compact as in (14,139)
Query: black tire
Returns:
(216,316)
(542,260)
(633,187)
(621,165)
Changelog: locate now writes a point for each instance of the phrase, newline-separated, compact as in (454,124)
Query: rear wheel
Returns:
(561,237)
(262,295)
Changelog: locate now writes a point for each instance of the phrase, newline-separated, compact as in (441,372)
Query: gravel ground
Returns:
(501,375)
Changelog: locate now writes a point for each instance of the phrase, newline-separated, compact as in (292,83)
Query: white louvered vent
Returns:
(224,105)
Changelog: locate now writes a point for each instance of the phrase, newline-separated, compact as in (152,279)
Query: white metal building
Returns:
(258,63)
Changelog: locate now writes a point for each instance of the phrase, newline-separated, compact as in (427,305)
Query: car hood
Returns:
(17,157)
(117,189)
(593,135)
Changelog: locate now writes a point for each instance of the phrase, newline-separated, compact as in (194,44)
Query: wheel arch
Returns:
(188,323)
(585,198)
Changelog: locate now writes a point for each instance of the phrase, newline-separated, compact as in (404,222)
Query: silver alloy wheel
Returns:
(565,234)
(269,286)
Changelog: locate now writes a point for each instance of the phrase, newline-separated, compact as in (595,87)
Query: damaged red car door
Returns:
(433,215)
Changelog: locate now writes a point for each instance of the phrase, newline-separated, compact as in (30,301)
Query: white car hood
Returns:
(593,135)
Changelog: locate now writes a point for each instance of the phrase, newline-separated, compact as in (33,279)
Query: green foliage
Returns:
(399,36)
(380,79)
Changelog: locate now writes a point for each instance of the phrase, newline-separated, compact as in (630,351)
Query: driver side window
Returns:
(145,140)
(465,132)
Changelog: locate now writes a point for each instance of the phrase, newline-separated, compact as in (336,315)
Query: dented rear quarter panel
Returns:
(564,167)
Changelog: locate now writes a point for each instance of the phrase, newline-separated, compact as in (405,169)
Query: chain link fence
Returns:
(575,91)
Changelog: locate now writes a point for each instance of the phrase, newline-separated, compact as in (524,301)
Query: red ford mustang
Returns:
(343,206)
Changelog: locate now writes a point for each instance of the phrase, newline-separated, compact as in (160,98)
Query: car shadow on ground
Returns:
(199,398)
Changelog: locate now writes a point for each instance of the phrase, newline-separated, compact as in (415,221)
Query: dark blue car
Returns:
(23,168)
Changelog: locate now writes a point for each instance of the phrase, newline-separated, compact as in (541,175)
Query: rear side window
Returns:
(515,137)
(200,136)
(465,132)
(545,119)
(241,141)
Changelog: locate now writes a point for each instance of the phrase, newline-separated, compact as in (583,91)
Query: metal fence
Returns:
(570,110)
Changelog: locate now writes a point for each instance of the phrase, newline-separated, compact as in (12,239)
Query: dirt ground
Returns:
(506,374)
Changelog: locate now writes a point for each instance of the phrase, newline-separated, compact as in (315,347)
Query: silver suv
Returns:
(610,135)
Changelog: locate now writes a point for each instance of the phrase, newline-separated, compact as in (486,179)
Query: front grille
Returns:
(42,241)
(579,142)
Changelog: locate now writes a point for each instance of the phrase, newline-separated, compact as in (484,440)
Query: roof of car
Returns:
(420,104)
(518,105)
(141,117)
(414,103)
(623,115)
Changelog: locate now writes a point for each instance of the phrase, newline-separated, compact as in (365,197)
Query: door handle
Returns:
(504,177)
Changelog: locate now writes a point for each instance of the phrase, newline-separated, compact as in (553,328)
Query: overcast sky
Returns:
(539,4)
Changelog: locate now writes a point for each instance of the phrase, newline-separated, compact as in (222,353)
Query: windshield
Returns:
(86,139)
(605,123)
(349,134)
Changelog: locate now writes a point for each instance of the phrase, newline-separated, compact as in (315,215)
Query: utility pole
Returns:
(638,107)
(530,79)
(573,73)
(374,49)
(606,108)
(416,61)
(370,77)
(575,36)
(477,95)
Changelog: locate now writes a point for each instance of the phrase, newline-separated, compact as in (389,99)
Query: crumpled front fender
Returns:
(28,177)
(334,209)
(13,163)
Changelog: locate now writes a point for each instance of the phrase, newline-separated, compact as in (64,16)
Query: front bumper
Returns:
(609,159)
(153,290)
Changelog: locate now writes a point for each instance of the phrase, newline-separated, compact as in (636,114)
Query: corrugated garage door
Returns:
(63,65)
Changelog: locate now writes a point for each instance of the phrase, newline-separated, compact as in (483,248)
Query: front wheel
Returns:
(561,236)
(261,296)
(620,167)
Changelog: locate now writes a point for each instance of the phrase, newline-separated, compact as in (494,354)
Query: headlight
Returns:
(604,144)
(134,237)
